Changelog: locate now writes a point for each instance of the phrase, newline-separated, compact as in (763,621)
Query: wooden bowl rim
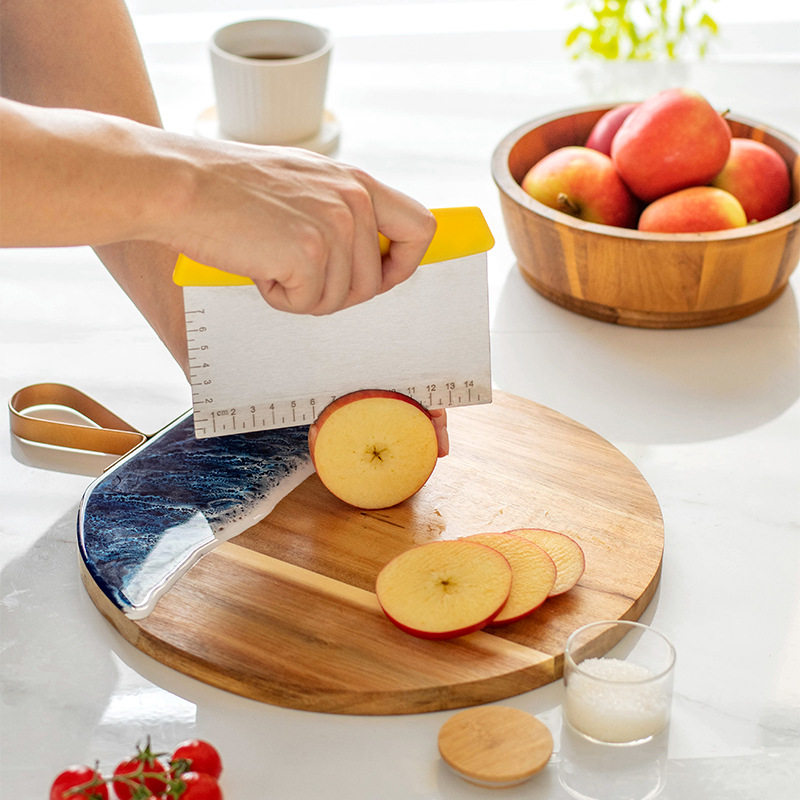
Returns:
(505,183)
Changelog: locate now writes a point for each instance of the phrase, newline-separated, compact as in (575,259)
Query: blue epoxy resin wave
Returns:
(143,523)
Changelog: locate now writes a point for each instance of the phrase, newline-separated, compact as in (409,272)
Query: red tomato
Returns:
(73,777)
(199,786)
(201,757)
(144,764)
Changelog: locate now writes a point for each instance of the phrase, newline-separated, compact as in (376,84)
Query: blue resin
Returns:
(156,511)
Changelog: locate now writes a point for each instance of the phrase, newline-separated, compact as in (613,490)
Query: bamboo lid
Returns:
(495,746)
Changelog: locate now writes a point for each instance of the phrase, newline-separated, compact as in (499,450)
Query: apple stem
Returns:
(567,204)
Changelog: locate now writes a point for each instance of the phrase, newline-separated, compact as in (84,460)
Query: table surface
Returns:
(423,92)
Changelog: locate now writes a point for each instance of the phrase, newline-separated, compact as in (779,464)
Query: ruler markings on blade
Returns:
(214,420)
(253,368)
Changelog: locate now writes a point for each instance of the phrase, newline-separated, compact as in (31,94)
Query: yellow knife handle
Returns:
(460,232)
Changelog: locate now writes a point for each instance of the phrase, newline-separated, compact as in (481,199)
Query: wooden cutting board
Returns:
(285,612)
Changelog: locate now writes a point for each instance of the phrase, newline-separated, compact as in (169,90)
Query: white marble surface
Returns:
(711,417)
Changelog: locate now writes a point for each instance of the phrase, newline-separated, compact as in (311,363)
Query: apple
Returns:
(757,176)
(533,573)
(566,553)
(604,130)
(693,210)
(584,183)
(670,141)
(445,588)
(373,448)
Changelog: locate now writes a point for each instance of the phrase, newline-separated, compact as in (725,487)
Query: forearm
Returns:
(83,54)
(71,177)
(303,227)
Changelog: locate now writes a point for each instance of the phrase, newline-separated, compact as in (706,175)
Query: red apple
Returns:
(373,448)
(757,176)
(582,182)
(444,589)
(533,573)
(672,140)
(604,130)
(693,210)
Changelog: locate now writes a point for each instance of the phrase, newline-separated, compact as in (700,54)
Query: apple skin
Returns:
(604,130)
(757,176)
(330,466)
(694,210)
(672,140)
(583,183)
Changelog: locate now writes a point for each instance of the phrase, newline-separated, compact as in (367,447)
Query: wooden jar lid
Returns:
(495,745)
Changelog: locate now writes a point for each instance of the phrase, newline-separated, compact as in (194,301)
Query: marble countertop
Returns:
(711,417)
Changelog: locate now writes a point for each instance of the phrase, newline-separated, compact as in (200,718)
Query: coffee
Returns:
(269,56)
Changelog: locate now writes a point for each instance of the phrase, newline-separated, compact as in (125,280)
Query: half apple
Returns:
(373,448)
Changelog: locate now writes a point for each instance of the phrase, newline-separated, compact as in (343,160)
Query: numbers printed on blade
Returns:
(211,420)
(252,368)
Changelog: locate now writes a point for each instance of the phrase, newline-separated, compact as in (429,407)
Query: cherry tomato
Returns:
(199,786)
(145,762)
(200,757)
(72,777)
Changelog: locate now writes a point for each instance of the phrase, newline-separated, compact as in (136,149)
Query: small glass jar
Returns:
(618,700)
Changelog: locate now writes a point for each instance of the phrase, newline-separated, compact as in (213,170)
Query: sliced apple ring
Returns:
(444,589)
(533,573)
(564,550)
(373,448)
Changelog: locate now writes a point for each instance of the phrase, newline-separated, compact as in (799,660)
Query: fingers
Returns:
(304,228)
(439,417)
(409,227)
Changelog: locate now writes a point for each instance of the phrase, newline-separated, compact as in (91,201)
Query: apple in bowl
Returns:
(582,182)
(374,448)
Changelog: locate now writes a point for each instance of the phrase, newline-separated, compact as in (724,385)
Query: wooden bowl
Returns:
(648,280)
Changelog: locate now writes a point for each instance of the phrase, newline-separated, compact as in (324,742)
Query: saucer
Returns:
(325,141)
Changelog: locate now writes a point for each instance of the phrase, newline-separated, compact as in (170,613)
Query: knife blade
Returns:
(255,368)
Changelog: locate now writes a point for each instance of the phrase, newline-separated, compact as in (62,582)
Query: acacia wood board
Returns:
(285,612)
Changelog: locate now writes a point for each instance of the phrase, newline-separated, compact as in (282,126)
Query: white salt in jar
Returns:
(618,700)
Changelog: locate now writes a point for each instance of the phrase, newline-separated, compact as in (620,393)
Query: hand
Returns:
(303,227)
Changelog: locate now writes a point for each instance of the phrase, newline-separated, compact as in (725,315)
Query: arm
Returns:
(82,55)
(139,194)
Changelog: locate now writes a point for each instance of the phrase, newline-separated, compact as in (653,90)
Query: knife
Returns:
(252,367)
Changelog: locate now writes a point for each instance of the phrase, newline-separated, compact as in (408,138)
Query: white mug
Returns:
(270,78)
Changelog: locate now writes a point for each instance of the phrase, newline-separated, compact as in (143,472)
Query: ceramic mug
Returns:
(270,78)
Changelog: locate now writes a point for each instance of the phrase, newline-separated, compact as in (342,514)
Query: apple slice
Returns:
(533,573)
(564,550)
(444,589)
(373,448)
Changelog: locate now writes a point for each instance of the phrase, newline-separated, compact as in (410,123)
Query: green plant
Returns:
(641,30)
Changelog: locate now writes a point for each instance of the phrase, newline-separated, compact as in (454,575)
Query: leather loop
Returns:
(113,436)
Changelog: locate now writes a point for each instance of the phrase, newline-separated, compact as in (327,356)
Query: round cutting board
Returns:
(285,612)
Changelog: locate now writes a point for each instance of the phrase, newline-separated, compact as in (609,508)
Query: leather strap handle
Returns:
(114,436)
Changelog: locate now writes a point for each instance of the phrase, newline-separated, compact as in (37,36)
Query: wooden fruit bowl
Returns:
(648,280)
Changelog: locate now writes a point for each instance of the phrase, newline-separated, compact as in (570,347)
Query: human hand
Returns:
(303,227)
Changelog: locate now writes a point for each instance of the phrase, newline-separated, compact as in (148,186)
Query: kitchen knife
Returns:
(255,368)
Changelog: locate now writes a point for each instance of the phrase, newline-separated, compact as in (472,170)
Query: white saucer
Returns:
(326,141)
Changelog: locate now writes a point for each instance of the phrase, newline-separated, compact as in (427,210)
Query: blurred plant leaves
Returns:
(641,30)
